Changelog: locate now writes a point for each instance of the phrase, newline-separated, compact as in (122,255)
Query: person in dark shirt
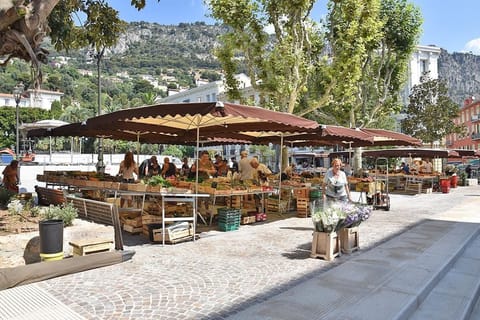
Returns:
(234,166)
(185,171)
(168,169)
(149,167)
(405,168)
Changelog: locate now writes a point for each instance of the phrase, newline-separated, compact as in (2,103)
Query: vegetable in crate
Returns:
(158,181)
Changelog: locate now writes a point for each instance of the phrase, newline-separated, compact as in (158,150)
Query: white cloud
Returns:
(472,46)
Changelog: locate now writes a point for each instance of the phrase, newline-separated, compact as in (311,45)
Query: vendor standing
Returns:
(206,168)
(335,183)
(168,169)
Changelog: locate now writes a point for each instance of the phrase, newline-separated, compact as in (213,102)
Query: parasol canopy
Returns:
(407,152)
(186,123)
(382,137)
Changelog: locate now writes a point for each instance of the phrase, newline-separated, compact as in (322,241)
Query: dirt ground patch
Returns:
(15,223)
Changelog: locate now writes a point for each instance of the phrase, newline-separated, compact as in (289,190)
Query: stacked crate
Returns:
(302,197)
(229,219)
(303,207)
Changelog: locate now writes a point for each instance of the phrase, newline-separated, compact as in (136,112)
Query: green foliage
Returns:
(65,212)
(359,83)
(5,196)
(8,121)
(431,112)
(279,68)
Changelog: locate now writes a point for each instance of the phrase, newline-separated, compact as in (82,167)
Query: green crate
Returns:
(228,227)
(228,212)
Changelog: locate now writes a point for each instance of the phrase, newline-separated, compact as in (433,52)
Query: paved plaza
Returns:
(222,273)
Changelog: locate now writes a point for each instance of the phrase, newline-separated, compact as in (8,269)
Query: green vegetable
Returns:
(158,181)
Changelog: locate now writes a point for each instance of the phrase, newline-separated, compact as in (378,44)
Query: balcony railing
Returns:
(475,118)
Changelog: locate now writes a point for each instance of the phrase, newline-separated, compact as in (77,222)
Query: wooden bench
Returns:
(48,196)
(87,246)
(99,212)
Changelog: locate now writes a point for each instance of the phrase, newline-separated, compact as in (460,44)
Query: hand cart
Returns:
(380,199)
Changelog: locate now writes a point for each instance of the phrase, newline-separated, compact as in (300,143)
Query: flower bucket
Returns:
(445,185)
(454,181)
(325,245)
(349,239)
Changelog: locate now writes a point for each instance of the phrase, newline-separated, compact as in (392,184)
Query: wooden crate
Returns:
(274,206)
(301,193)
(325,245)
(88,246)
(414,187)
(303,207)
(248,220)
(136,187)
(150,218)
(349,239)
(235,201)
(132,229)
(134,222)
(172,237)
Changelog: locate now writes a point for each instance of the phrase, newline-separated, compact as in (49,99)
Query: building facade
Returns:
(32,99)
(423,61)
(469,115)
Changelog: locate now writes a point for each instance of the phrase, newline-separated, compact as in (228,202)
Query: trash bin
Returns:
(51,240)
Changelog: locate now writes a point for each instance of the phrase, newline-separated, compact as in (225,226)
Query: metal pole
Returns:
(17,95)
(100,164)
(17,145)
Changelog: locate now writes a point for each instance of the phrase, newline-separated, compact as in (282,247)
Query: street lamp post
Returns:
(100,164)
(17,95)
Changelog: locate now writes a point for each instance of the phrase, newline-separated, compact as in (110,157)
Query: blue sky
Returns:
(451,25)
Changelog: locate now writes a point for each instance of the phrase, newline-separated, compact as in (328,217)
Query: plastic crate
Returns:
(228,227)
(229,212)
(229,220)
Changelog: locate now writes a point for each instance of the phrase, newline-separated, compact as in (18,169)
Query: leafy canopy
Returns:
(431,112)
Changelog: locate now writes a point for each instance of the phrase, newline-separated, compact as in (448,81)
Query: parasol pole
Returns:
(138,148)
(196,159)
(50,148)
(280,174)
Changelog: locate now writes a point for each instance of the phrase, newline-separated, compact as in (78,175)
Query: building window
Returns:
(208,98)
(214,97)
(423,66)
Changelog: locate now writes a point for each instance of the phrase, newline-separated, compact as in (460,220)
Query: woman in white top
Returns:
(128,167)
(335,183)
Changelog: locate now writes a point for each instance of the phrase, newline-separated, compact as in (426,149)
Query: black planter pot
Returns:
(51,240)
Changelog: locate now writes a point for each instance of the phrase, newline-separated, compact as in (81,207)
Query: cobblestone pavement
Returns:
(224,272)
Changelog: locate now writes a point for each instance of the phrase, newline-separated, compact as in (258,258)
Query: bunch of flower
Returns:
(328,219)
(355,214)
(15,207)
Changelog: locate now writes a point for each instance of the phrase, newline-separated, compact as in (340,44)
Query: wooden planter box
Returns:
(325,245)
(349,239)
